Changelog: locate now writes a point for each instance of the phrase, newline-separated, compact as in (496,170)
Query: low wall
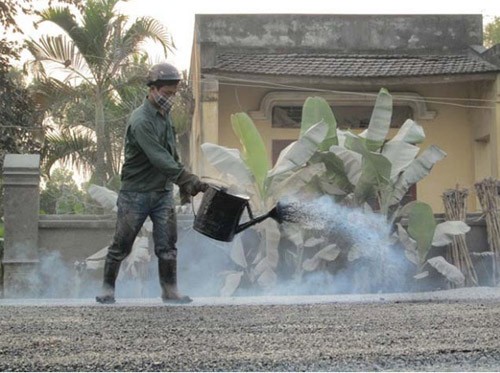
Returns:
(75,237)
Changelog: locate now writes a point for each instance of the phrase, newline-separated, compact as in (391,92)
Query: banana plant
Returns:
(249,171)
(366,167)
(422,233)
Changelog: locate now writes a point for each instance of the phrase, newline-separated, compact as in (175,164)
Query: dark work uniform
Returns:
(150,168)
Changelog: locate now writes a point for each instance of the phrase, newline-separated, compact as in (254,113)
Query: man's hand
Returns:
(185,197)
(190,183)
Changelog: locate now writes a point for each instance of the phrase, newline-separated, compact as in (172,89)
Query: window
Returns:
(284,108)
(278,146)
(348,117)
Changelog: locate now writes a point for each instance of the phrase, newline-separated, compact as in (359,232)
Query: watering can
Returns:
(219,214)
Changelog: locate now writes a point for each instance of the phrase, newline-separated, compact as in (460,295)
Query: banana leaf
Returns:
(445,232)
(254,152)
(315,110)
(410,132)
(328,253)
(349,167)
(229,161)
(268,278)
(299,152)
(237,253)
(354,253)
(271,237)
(231,283)
(375,169)
(421,227)
(267,257)
(400,154)
(296,181)
(452,273)
(416,171)
(341,136)
(375,175)
(410,245)
(380,121)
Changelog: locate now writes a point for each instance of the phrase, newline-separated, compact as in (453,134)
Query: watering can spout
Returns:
(271,214)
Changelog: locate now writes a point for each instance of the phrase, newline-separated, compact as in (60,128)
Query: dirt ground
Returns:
(423,335)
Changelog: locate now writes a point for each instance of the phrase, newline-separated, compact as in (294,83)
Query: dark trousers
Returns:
(133,209)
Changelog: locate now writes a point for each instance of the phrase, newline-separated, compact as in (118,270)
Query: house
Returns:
(435,67)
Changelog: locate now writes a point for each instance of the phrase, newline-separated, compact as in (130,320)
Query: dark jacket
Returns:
(151,158)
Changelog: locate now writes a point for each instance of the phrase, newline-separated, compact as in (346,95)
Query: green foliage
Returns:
(371,169)
(366,171)
(421,227)
(182,110)
(20,125)
(380,121)
(254,152)
(12,8)
(251,173)
(97,56)
(21,122)
(249,169)
(182,114)
(61,195)
(315,110)
(492,32)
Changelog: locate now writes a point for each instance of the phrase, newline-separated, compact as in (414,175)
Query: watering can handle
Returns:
(192,202)
(250,214)
(192,208)
(215,181)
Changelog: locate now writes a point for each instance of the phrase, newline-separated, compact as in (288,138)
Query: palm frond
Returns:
(147,28)
(48,92)
(60,16)
(62,53)
(94,31)
(75,148)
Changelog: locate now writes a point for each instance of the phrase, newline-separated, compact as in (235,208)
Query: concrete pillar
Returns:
(210,115)
(21,178)
(496,126)
(209,119)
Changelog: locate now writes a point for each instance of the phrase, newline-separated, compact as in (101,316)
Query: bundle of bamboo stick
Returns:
(487,193)
(455,207)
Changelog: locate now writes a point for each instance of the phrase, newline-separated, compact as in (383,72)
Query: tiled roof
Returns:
(351,66)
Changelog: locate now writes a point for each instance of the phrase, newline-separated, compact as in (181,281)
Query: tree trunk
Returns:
(100,167)
(109,153)
(183,141)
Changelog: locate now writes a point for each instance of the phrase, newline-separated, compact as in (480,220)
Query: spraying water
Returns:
(368,261)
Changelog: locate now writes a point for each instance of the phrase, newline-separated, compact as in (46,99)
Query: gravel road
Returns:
(384,335)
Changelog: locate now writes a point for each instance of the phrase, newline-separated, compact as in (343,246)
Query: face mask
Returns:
(164,102)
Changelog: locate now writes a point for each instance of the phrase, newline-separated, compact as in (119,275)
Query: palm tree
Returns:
(69,130)
(89,61)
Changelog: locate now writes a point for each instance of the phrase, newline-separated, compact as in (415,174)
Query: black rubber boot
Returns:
(167,270)
(111,270)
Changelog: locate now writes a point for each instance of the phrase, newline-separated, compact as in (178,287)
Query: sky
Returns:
(178,16)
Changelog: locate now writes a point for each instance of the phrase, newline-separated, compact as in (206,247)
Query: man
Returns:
(151,167)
